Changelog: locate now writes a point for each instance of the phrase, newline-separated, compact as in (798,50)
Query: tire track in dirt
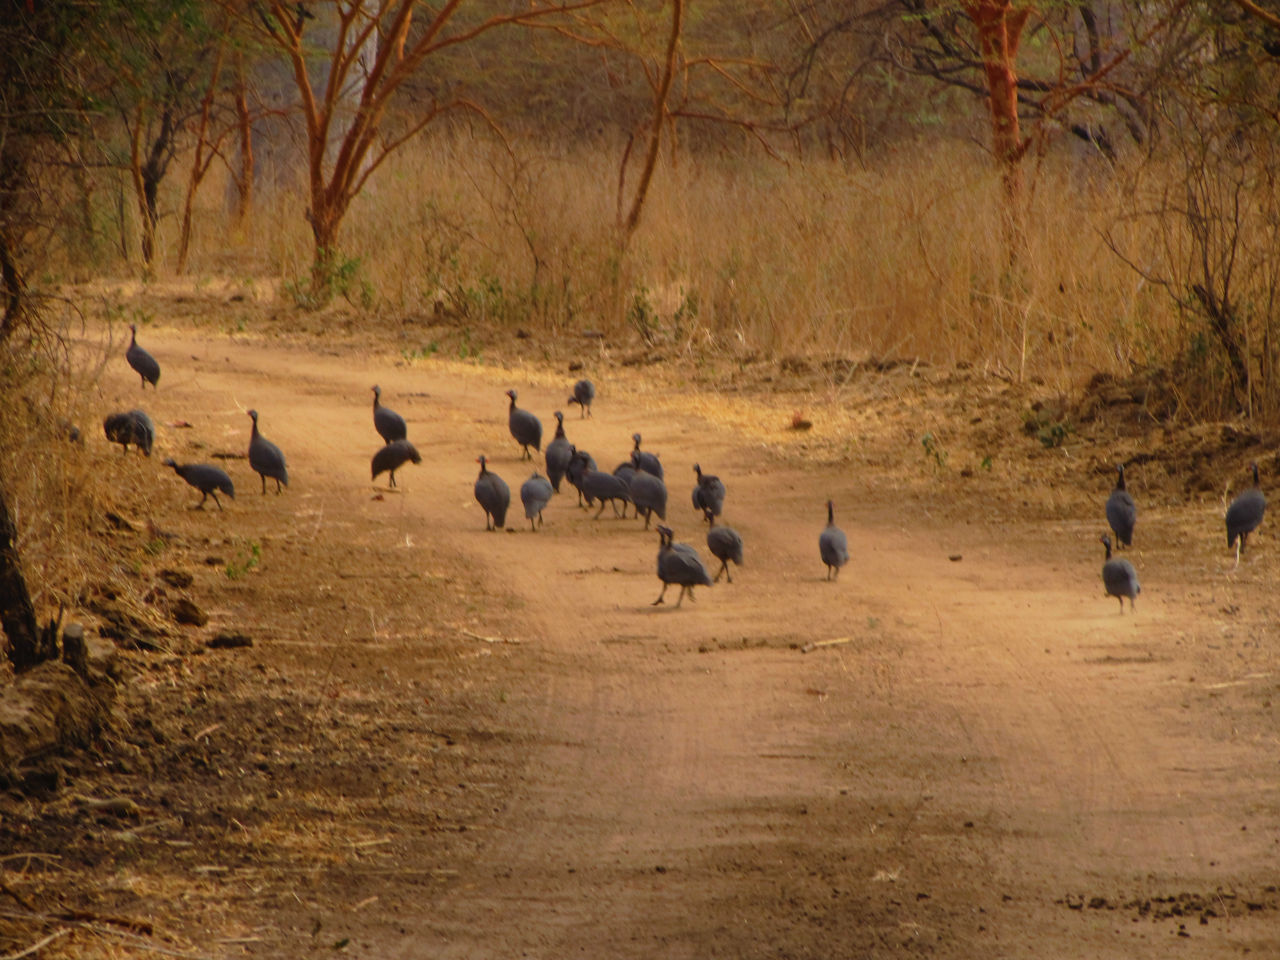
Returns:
(694,786)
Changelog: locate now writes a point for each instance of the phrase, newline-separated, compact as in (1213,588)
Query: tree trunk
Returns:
(999,27)
(12,289)
(26,645)
(244,124)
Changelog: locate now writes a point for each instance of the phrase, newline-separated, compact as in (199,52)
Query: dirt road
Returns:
(989,762)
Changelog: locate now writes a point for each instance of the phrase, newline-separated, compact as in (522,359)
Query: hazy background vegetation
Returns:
(825,178)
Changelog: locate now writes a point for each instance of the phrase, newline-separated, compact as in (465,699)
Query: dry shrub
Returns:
(903,257)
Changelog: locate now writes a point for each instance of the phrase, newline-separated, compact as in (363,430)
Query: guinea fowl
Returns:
(1118,576)
(648,462)
(559,452)
(1122,512)
(584,391)
(1245,514)
(579,462)
(725,544)
(604,487)
(132,427)
(833,545)
(265,457)
(389,424)
(206,478)
(709,493)
(535,494)
(394,456)
(679,563)
(525,427)
(493,495)
(143,363)
(649,494)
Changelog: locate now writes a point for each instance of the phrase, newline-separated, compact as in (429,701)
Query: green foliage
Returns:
(246,559)
(1050,430)
(333,275)
(934,451)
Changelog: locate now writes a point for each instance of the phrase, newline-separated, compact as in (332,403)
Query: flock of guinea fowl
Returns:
(638,481)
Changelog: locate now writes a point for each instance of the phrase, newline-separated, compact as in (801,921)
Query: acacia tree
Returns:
(349,60)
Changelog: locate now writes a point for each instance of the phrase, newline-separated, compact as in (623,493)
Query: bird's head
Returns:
(253,415)
(512,394)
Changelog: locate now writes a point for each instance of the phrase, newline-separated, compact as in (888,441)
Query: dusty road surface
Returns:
(492,745)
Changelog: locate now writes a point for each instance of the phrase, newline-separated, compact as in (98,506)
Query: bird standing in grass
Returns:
(206,478)
(833,545)
(143,363)
(679,563)
(584,391)
(394,456)
(1118,576)
(525,427)
(535,494)
(725,544)
(389,424)
(132,427)
(493,494)
(265,457)
(1245,514)
(1122,512)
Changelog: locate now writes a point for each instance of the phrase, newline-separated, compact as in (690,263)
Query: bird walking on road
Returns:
(389,424)
(584,391)
(579,463)
(648,462)
(1245,514)
(132,427)
(708,494)
(143,363)
(493,494)
(1118,577)
(605,487)
(525,427)
(648,493)
(1122,512)
(265,457)
(679,563)
(535,494)
(559,452)
(725,544)
(394,456)
(833,545)
(206,478)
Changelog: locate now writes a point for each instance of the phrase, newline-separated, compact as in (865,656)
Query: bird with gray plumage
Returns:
(206,478)
(708,493)
(265,457)
(1122,512)
(649,494)
(559,452)
(1118,576)
(644,460)
(389,424)
(143,363)
(833,545)
(133,426)
(584,391)
(525,427)
(579,462)
(606,488)
(535,494)
(1245,515)
(493,494)
(394,456)
(679,563)
(725,544)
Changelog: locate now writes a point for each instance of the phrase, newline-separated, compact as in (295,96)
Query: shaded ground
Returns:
(447,743)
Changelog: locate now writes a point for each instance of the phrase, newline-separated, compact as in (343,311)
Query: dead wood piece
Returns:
(818,644)
(46,709)
(483,639)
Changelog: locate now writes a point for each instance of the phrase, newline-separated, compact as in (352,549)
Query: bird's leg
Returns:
(601,510)
(203,497)
(393,478)
(660,596)
(614,504)
(728,577)
(214,494)
(264,482)
(680,599)
(724,565)
(532,526)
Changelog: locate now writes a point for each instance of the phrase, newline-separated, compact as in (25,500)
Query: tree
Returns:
(349,61)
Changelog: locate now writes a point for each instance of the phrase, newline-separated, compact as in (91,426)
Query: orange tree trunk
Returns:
(999,24)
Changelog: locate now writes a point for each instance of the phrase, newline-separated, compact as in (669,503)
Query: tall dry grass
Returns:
(905,257)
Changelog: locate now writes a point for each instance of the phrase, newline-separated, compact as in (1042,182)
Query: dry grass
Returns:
(735,251)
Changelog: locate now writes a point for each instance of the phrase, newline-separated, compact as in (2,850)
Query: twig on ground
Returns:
(38,945)
(816,644)
(484,639)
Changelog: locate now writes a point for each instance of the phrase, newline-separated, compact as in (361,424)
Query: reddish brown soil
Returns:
(981,759)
